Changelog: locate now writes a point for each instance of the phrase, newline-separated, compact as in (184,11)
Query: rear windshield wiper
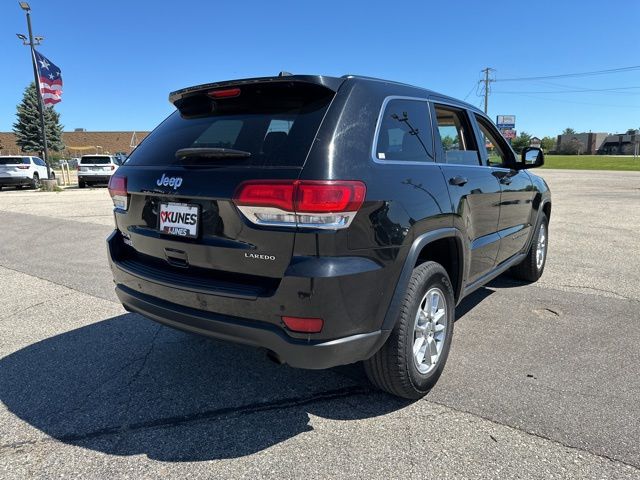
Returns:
(209,152)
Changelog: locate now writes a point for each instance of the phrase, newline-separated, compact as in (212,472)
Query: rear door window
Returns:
(276,123)
(405,132)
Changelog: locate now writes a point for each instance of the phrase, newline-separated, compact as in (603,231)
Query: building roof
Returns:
(80,143)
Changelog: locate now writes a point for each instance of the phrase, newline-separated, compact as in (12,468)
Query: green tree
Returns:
(521,141)
(448,142)
(27,127)
(547,143)
(568,131)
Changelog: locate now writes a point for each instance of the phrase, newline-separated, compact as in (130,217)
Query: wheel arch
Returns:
(444,246)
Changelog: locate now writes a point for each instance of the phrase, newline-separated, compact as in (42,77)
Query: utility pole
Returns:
(487,81)
(25,6)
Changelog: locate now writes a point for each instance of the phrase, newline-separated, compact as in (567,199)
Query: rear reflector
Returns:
(226,93)
(303,325)
(327,204)
(118,191)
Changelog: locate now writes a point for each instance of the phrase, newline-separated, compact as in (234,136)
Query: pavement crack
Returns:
(198,417)
(537,435)
(604,290)
(58,284)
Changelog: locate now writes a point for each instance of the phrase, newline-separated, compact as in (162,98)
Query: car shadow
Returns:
(127,386)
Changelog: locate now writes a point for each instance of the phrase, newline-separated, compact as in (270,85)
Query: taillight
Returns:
(327,204)
(113,167)
(23,167)
(118,191)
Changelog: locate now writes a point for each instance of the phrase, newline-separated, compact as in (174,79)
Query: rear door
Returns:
(473,189)
(40,167)
(273,124)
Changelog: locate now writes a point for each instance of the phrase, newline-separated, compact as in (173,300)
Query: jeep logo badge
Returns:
(165,181)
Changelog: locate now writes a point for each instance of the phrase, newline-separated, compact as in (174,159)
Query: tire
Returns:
(35,181)
(53,175)
(395,368)
(531,268)
(81,184)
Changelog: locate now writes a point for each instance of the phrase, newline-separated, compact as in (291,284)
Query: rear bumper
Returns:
(94,178)
(14,180)
(352,311)
(295,352)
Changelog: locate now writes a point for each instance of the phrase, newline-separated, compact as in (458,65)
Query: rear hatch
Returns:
(96,165)
(181,218)
(13,166)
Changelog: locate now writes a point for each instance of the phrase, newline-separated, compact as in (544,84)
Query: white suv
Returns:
(94,169)
(17,171)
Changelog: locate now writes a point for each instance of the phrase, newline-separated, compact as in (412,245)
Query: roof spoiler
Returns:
(332,83)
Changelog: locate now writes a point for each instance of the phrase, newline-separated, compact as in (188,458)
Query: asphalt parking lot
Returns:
(542,381)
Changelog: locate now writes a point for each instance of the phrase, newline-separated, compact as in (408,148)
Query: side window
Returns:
(498,154)
(40,162)
(456,136)
(405,132)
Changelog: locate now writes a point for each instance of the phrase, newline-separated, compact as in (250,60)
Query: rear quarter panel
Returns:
(402,201)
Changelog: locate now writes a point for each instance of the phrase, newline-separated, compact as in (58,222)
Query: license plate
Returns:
(180,219)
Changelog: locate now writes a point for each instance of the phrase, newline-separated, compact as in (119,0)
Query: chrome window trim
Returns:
(374,155)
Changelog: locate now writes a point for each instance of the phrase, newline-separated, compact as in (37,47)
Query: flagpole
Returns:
(27,9)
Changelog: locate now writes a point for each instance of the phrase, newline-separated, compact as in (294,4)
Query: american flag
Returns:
(50,80)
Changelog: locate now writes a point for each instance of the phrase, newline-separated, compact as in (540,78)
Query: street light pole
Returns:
(25,6)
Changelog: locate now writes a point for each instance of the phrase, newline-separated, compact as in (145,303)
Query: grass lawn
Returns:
(591,162)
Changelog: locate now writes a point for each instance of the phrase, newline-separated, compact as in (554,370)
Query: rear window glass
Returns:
(13,161)
(276,123)
(405,132)
(95,160)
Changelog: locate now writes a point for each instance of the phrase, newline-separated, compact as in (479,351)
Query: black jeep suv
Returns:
(327,220)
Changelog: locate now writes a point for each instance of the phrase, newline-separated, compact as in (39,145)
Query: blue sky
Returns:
(120,59)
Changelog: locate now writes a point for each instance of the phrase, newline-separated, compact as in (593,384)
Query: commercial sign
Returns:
(506,121)
(508,133)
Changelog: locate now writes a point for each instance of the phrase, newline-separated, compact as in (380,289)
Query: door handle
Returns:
(506,180)
(458,181)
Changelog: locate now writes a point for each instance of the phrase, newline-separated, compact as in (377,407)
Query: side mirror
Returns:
(532,157)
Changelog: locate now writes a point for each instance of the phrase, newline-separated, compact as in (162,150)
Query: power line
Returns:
(475,87)
(575,91)
(557,100)
(570,75)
